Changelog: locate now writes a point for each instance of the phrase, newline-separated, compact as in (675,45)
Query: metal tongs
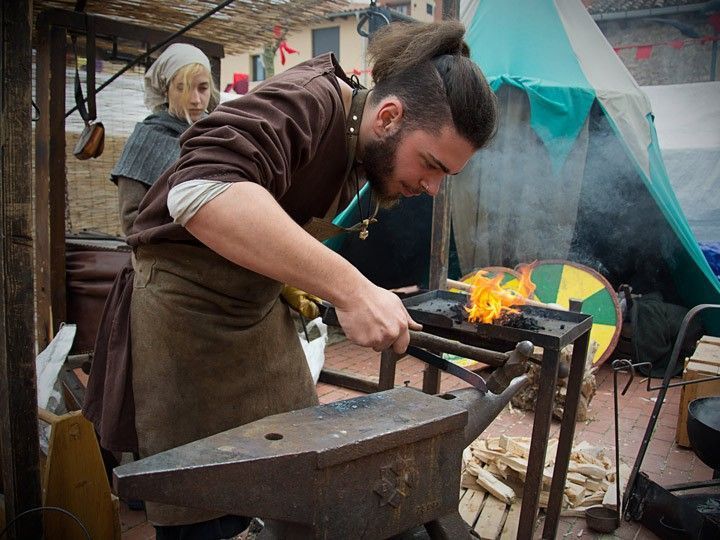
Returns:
(422,344)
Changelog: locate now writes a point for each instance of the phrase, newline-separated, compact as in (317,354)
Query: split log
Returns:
(492,518)
(526,398)
(502,471)
(610,500)
(492,484)
(575,493)
(588,469)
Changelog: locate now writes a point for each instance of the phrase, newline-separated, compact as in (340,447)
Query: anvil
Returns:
(369,467)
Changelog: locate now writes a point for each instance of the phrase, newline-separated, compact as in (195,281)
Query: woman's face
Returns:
(198,95)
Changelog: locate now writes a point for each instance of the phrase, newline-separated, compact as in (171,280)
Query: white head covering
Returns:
(160,74)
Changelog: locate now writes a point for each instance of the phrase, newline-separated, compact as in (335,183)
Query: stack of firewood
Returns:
(525,399)
(498,465)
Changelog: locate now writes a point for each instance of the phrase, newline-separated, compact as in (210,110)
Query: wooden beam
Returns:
(352,382)
(43,327)
(439,253)
(18,393)
(58,300)
(440,237)
(108,28)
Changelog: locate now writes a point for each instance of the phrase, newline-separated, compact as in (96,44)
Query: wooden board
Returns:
(75,480)
(510,529)
(705,362)
(491,518)
(470,504)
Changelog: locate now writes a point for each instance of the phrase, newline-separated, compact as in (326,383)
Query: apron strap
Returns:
(351,138)
(323,228)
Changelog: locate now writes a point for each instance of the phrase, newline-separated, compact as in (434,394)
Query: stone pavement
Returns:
(664,462)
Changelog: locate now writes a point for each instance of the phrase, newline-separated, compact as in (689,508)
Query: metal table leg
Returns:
(388,363)
(538,444)
(567,432)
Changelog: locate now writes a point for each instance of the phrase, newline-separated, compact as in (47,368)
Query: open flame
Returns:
(488,300)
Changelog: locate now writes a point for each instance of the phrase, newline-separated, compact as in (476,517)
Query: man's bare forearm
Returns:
(247,226)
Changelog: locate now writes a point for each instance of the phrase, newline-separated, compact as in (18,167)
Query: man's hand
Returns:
(376,318)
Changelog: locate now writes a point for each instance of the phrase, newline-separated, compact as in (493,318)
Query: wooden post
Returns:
(439,240)
(439,252)
(18,394)
(50,181)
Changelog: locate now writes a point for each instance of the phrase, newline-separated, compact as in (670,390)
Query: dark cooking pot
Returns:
(703,428)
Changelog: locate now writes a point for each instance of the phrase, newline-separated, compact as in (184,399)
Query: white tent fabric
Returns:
(687,120)
(687,116)
(614,86)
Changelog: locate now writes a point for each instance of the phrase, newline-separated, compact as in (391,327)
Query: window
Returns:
(429,8)
(258,68)
(326,40)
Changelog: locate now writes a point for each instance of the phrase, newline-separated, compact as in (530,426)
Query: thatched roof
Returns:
(241,26)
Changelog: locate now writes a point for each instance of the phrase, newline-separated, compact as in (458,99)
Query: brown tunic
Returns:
(212,345)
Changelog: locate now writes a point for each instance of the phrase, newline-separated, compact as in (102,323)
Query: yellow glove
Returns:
(302,302)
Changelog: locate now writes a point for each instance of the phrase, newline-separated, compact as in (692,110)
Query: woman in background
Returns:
(179,90)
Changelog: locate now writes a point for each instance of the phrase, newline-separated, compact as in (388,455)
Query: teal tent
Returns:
(575,171)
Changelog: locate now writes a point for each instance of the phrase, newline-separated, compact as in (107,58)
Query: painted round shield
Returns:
(558,281)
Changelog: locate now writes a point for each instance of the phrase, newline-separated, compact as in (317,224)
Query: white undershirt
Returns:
(185,199)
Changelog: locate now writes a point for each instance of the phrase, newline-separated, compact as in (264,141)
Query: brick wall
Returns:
(666,64)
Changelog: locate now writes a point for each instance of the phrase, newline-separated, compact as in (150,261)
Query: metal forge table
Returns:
(558,329)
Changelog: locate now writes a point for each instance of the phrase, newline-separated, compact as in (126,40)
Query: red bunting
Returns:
(643,52)
(285,48)
(677,43)
(714,20)
(282,44)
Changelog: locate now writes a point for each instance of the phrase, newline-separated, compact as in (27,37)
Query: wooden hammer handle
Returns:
(439,344)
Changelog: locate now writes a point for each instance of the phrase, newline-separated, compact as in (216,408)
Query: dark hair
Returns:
(427,66)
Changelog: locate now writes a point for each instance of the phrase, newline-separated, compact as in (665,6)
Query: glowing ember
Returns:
(489,300)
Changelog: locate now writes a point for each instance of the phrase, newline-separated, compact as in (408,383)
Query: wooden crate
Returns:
(705,362)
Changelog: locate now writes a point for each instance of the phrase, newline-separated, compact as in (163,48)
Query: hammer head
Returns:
(516,365)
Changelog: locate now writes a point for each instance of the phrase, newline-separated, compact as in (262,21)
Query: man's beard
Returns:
(379,165)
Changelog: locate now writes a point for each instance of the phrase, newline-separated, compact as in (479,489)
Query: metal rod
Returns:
(352,382)
(681,383)
(439,344)
(619,365)
(388,361)
(151,50)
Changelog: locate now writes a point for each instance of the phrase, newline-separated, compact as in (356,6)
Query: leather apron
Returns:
(213,348)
